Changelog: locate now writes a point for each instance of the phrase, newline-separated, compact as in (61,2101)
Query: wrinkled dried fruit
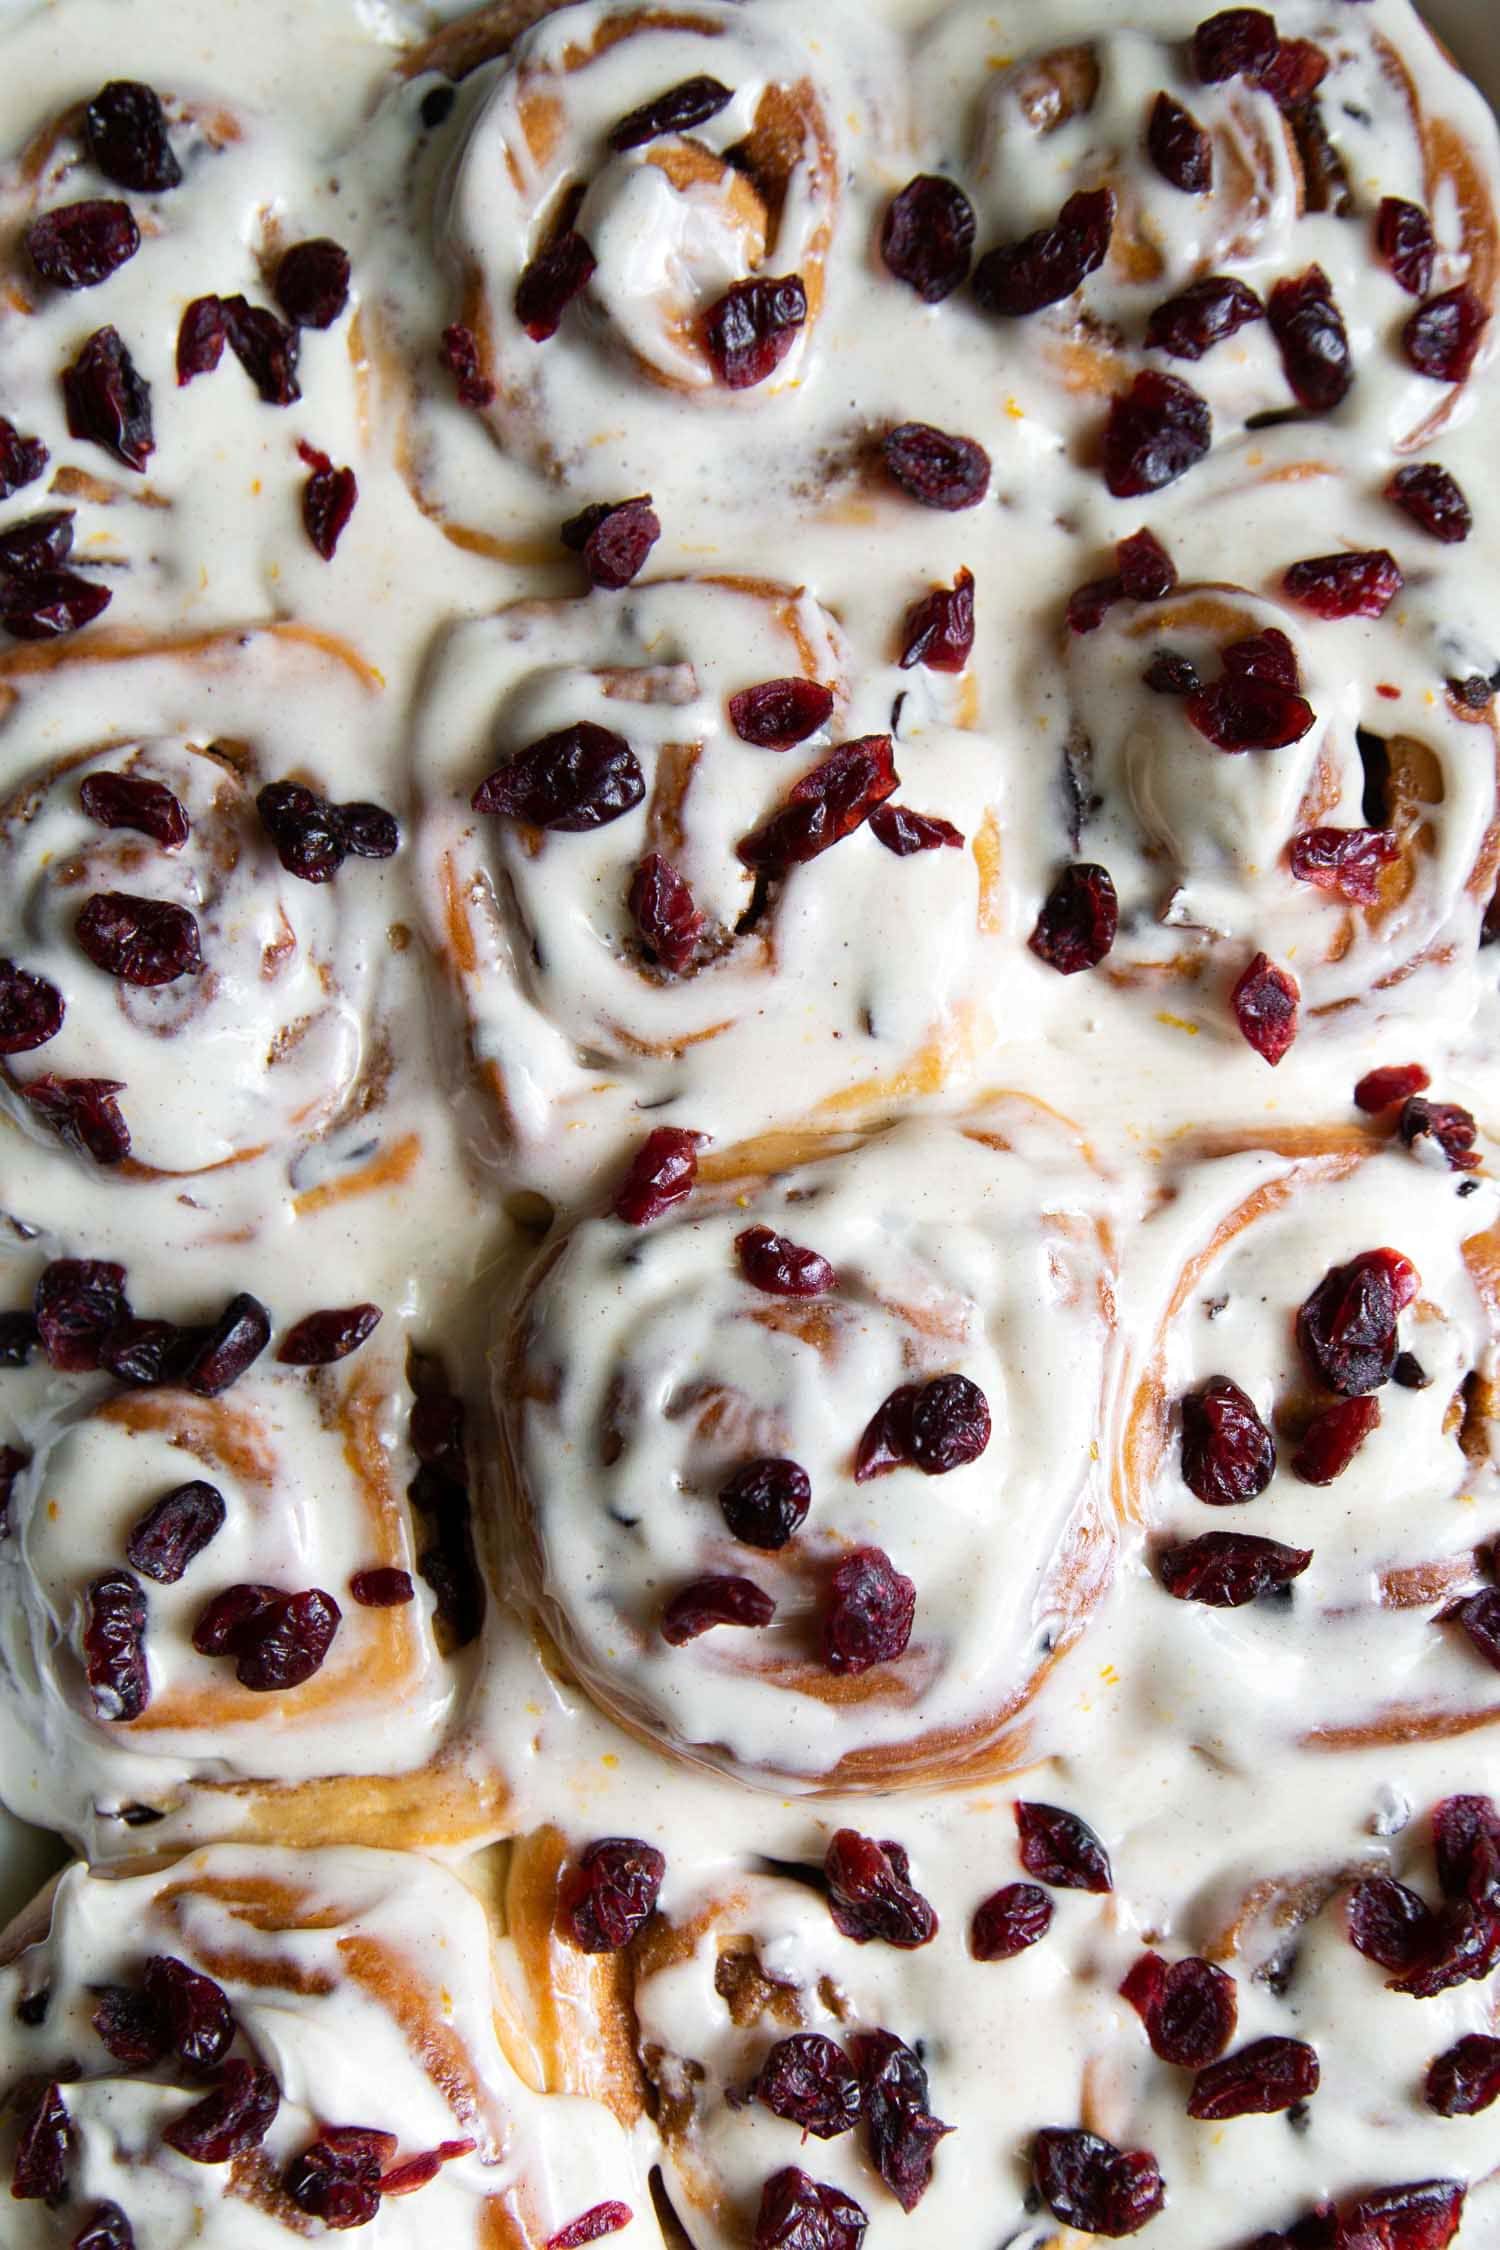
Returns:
(752,328)
(40,2172)
(229,1345)
(1479,1615)
(936,469)
(778,714)
(1466,1949)
(1443,337)
(126,130)
(904,832)
(1147,571)
(1009,1921)
(870,1894)
(130,2026)
(37,544)
(825,806)
(1078,920)
(1226,1569)
(278,1640)
(661,1173)
(1059,1848)
(939,629)
(1257,2081)
(31,1010)
(707,1602)
(192,2010)
(1346,1330)
(1155,433)
(321,1338)
(1202,315)
(1236,43)
(1346,585)
(1404,239)
(781,1268)
(1089,2183)
(1292,76)
(901,2133)
(678,110)
(809,2080)
(108,402)
(662,909)
(1465,2079)
(578,778)
(82,244)
(234,2118)
(613,538)
(1424,2216)
(1179,147)
(328,501)
(927,239)
(201,336)
(131,800)
(313,837)
(382,1588)
(114,1646)
(1390,1924)
(1189,2008)
(1266,656)
(48,604)
(797,2213)
(610,1893)
(1451,1127)
(1049,265)
(1382,1089)
(591,2226)
(1228,1454)
(265,348)
(312,283)
(1333,1437)
(460,355)
(1433,499)
(105,2228)
(337,2178)
(78,1301)
(1314,344)
(1264,1002)
(1244,711)
(83,1113)
(936,1426)
(22,459)
(869,1613)
(765,1502)
(1345,861)
(142,941)
(174,1531)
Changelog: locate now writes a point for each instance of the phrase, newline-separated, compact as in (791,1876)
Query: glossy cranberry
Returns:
(696,1609)
(328,501)
(1314,344)
(1465,2079)
(1292,76)
(114,1646)
(1404,238)
(939,629)
(1189,2008)
(81,244)
(142,941)
(45,606)
(1059,1848)
(778,714)
(578,778)
(107,401)
(905,832)
(337,2178)
(1155,433)
(1242,712)
(797,2213)
(870,1893)
(1049,265)
(146,1353)
(1333,1437)
(201,335)
(131,2027)
(174,1531)
(824,807)
(1091,603)
(1228,1454)
(935,468)
(809,2080)
(927,239)
(1179,147)
(610,1893)
(22,459)
(1466,1846)
(105,2227)
(126,130)
(901,2133)
(420,2171)
(1089,2183)
(192,2010)
(1204,314)
(1346,585)
(312,283)
(321,1338)
(1449,1127)
(1467,1950)
(1009,1921)
(1078,920)
(31,1010)
(1236,43)
(868,1616)
(78,1301)
(130,800)
(1443,337)
(1435,500)
(229,1345)
(936,1426)
(1346,861)
(1267,656)
(780,1267)
(678,110)
(1227,1569)
(614,539)
(369,831)
(1264,1004)
(752,328)
(1423,2216)
(382,1588)
(1390,1924)
(661,1173)
(591,2226)
(1147,571)
(40,2171)
(265,348)
(37,545)
(460,355)
(1256,2081)
(1479,1615)
(662,909)
(233,2119)
(287,1643)
(765,1503)
(1346,1331)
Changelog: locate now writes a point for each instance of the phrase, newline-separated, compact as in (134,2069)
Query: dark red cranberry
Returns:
(578,778)
(614,539)
(1059,1848)
(678,110)
(765,1502)
(661,1173)
(778,714)
(48,604)
(146,1353)
(201,335)
(82,244)
(1155,433)
(78,1301)
(781,1268)
(1189,2009)
(369,831)
(1346,1331)
(1479,1615)
(312,283)
(131,2028)
(105,2227)
(1433,499)
(83,1113)
(1204,314)
(825,806)
(229,1345)
(1409,1373)
(1089,2183)
(1424,2216)
(809,2080)
(904,832)
(1179,147)
(382,1588)
(320,1338)
(337,2178)
(1009,1921)
(1091,603)
(1080,915)
(797,2213)
(1314,344)
(108,402)
(591,2226)
(1228,1454)
(40,2172)
(126,130)
(234,2118)
(752,328)
(1256,2081)
(1346,585)
(1226,1569)
(927,239)
(1466,1846)
(936,469)
(1264,1002)
(265,348)
(610,1893)
(869,1613)
(192,2010)
(22,459)
(31,1010)
(114,1646)
(1467,1950)
(460,355)
(1404,238)
(142,941)
(1147,571)
(1450,1127)
(1390,1924)
(1333,1437)
(1236,43)
(1443,337)
(939,629)
(1346,861)
(662,909)
(1465,2079)
(1292,76)
(901,2132)
(225,1622)
(936,1426)
(174,1531)
(557,275)
(1168,673)
(37,545)
(129,800)
(707,1602)
(870,1893)
(1266,656)
(1049,265)
(278,1640)
(328,501)
(1243,712)
(420,2171)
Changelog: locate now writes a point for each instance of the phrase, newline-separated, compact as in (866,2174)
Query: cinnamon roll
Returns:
(714,1425)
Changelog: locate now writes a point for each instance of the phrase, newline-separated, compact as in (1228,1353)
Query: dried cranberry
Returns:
(1404,238)
(578,778)
(192,2010)
(781,1268)
(312,283)
(927,239)
(1292,76)
(83,1113)
(145,1353)
(78,1301)
(289,1646)
(610,1893)
(591,2226)
(1479,1615)
(229,1345)
(1049,265)
(234,2118)
(752,328)
(869,1613)
(662,909)
(939,629)
(825,806)
(707,1602)
(1433,499)
(328,501)
(1189,2009)
(1467,1949)
(870,1893)
(1179,147)
(1466,1846)
(1452,1128)
(131,2027)
(127,136)
(1333,1437)
(265,348)
(1443,337)
(1226,1569)
(1346,1331)
(129,800)
(320,1338)
(40,2172)
(369,831)
(1147,571)
(31,1010)
(420,2171)
(1243,712)
(1089,2183)
(22,459)
(765,1502)
(678,110)
(37,544)
(460,355)
(1155,433)
(1236,43)
(901,2133)
(1390,1924)
(614,539)
(49,604)
(778,714)
(1465,2079)
(808,2080)
(114,1646)
(1256,2081)
(82,244)
(1228,1454)
(1080,915)
(1009,1921)
(105,2228)
(1266,656)
(1409,1372)
(1346,861)
(1091,603)
(1264,1002)
(142,941)
(1346,585)
(1168,673)
(661,1173)
(174,1531)
(1204,314)
(107,401)
(1424,2216)
(337,2178)
(935,468)
(1314,344)
(200,339)
(382,1588)
(1059,1848)
(904,832)
(797,2213)
(936,1426)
